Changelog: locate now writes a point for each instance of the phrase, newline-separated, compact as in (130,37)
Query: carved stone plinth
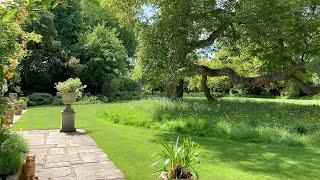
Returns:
(67,120)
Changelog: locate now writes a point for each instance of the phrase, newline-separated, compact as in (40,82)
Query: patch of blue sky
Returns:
(148,12)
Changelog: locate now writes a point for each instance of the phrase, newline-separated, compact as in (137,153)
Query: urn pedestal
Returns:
(67,120)
(68,114)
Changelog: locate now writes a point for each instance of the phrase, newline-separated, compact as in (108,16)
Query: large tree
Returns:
(46,64)
(283,35)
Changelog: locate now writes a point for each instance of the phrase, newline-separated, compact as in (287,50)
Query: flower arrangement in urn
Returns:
(179,160)
(70,89)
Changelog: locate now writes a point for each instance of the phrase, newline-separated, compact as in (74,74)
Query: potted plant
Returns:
(9,112)
(25,102)
(19,107)
(69,90)
(178,160)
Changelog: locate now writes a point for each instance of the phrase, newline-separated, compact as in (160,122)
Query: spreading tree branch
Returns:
(256,81)
(310,90)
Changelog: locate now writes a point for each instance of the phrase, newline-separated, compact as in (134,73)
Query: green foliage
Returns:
(40,99)
(164,46)
(266,36)
(105,57)
(81,38)
(47,62)
(290,91)
(13,39)
(3,105)
(102,43)
(57,101)
(179,160)
(125,96)
(88,100)
(280,33)
(12,150)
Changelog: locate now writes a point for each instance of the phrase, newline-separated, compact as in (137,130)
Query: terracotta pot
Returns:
(68,98)
(9,112)
(19,108)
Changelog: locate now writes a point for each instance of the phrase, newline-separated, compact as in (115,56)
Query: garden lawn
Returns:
(131,148)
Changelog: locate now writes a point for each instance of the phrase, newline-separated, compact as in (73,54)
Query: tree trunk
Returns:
(179,90)
(206,89)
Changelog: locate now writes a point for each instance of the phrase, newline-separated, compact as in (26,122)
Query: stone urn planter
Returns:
(19,108)
(69,90)
(9,112)
(68,97)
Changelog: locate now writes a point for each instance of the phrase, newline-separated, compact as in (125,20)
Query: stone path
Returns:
(69,156)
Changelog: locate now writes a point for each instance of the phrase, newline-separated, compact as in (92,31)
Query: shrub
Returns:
(40,99)
(89,100)
(32,103)
(103,99)
(12,150)
(57,101)
(125,95)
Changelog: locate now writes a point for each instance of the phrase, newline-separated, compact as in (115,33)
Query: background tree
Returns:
(46,63)
(282,35)
(79,37)
(104,56)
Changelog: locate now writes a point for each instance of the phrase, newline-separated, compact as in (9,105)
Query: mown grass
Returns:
(131,148)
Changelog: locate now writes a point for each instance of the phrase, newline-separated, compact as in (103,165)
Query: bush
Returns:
(125,95)
(57,101)
(40,99)
(12,150)
(89,100)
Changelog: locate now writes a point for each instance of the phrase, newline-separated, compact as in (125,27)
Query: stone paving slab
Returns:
(65,156)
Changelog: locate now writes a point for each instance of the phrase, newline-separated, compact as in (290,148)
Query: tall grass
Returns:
(237,119)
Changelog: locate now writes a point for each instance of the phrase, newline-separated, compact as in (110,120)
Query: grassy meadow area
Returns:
(240,138)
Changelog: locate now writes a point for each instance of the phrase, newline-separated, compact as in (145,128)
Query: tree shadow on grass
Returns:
(276,161)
